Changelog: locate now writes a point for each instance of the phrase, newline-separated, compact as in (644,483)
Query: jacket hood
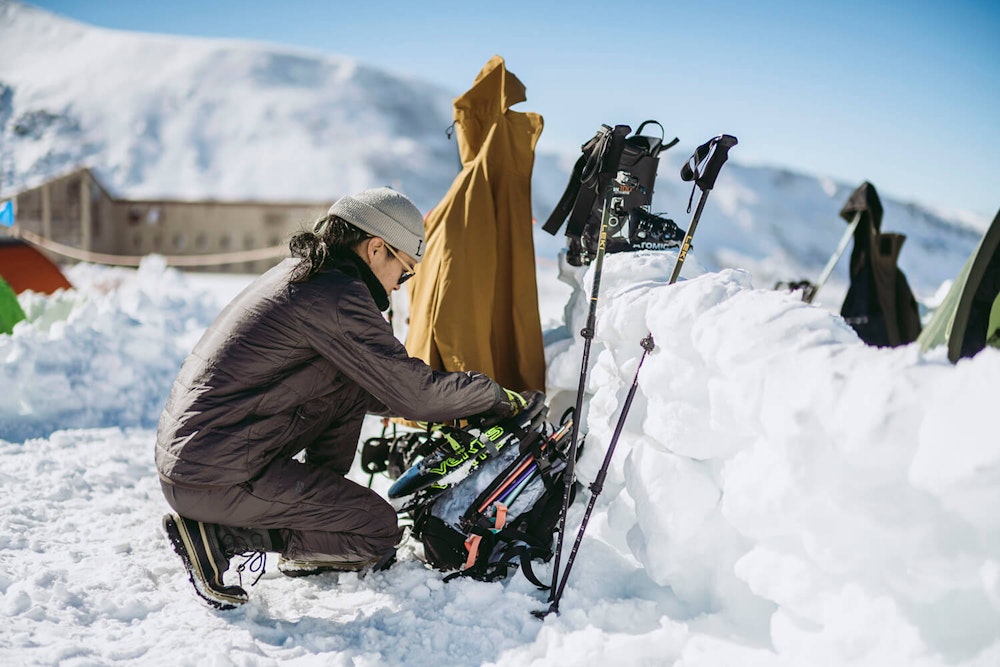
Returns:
(494,91)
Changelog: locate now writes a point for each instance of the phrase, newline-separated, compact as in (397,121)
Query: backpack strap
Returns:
(525,553)
(581,212)
(653,145)
(475,538)
(479,544)
(602,165)
(663,132)
(495,568)
(472,546)
(598,163)
(583,171)
(565,205)
(586,172)
(519,546)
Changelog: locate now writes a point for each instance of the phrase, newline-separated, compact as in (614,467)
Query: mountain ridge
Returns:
(159,116)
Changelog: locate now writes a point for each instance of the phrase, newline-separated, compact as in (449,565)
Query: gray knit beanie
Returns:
(385,213)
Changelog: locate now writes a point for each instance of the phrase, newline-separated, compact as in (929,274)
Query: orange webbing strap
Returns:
(501,519)
(472,546)
(472,541)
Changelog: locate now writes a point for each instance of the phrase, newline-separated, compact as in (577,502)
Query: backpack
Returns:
(583,201)
(483,499)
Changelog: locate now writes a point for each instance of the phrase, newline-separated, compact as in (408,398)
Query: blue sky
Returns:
(905,95)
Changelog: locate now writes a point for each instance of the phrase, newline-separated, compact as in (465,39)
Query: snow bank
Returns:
(103,353)
(807,492)
(781,495)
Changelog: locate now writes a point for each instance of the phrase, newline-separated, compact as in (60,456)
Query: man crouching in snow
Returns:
(294,363)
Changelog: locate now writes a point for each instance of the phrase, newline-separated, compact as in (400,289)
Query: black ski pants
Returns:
(321,515)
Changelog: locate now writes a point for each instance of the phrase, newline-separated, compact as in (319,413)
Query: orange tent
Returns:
(474,300)
(25,268)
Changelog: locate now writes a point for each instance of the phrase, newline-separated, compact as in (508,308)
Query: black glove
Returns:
(509,404)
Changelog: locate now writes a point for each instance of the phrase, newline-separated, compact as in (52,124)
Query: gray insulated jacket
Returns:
(291,366)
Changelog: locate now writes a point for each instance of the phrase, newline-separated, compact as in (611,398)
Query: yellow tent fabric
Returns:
(474,300)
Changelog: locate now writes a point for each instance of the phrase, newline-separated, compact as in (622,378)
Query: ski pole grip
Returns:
(703,167)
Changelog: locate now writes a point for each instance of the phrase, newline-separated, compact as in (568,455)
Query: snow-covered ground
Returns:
(781,495)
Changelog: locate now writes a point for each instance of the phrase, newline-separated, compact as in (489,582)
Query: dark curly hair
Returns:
(314,248)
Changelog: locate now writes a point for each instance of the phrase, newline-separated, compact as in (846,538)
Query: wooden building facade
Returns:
(76,210)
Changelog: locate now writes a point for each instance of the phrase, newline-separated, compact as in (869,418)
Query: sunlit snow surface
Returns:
(781,494)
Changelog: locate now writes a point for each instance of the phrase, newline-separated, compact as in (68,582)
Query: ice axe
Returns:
(703,168)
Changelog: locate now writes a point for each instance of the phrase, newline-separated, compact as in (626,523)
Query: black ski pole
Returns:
(598,484)
(702,168)
(613,200)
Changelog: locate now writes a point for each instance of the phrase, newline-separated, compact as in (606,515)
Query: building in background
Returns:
(75,210)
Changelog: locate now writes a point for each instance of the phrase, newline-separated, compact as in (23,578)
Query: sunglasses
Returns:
(408,271)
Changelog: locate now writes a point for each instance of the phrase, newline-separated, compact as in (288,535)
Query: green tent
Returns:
(10,309)
(969,317)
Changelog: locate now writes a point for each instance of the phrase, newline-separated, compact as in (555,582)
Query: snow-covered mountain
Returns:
(160,116)
(195,118)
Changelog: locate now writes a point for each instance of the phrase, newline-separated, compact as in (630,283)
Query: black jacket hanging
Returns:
(879,304)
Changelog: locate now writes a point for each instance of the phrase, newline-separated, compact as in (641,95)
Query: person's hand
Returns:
(509,404)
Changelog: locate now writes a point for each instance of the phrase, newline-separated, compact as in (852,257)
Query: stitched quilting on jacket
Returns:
(290,366)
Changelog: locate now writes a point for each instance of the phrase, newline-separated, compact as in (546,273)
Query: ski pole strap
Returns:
(704,165)
(596,179)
